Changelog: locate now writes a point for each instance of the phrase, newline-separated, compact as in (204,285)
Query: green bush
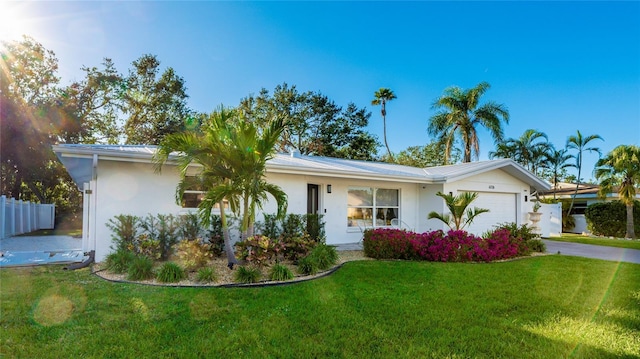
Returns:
(325,256)
(170,273)
(260,250)
(308,265)
(189,226)
(193,254)
(280,273)
(216,236)
(206,275)
(315,227)
(610,218)
(293,226)
(162,228)
(523,231)
(125,230)
(537,245)
(270,227)
(119,261)
(297,247)
(246,274)
(141,268)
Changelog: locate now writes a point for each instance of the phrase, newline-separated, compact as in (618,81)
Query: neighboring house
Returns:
(350,194)
(587,194)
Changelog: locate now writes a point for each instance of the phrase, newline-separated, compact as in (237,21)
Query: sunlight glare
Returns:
(14,22)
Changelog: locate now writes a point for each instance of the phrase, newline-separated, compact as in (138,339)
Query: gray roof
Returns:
(78,161)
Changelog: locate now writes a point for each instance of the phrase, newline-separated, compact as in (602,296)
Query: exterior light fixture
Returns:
(328,188)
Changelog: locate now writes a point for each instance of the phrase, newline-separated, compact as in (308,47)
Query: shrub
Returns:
(146,246)
(270,226)
(280,273)
(568,222)
(141,268)
(170,273)
(119,261)
(308,265)
(206,275)
(522,235)
(193,254)
(315,227)
(216,236)
(325,256)
(293,226)
(125,230)
(188,226)
(247,274)
(610,218)
(259,250)
(297,247)
(162,228)
(537,245)
(387,243)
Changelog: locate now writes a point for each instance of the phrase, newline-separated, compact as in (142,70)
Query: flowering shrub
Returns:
(454,246)
(259,250)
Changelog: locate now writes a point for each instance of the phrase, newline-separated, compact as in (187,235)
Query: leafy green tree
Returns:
(460,215)
(155,104)
(580,144)
(381,97)
(429,155)
(314,125)
(620,169)
(458,115)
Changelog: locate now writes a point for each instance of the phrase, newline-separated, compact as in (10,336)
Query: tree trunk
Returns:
(226,235)
(573,198)
(384,125)
(630,230)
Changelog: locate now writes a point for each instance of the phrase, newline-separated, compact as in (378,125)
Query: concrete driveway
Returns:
(592,251)
(36,250)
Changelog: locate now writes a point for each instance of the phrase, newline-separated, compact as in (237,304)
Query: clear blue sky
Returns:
(558,66)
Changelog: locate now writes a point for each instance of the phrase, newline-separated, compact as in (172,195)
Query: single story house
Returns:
(350,194)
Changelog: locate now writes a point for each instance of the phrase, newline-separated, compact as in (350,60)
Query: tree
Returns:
(155,106)
(314,125)
(528,150)
(381,97)
(429,155)
(621,168)
(459,113)
(556,163)
(459,215)
(580,144)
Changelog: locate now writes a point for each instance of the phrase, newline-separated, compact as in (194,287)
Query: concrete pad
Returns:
(40,243)
(19,259)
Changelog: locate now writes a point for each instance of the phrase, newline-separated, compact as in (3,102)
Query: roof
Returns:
(78,159)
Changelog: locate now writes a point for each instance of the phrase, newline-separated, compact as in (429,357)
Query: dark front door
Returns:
(312,198)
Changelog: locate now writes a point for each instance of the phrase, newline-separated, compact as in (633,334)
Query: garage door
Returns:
(502,209)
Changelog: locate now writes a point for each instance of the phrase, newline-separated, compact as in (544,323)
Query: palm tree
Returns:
(458,209)
(381,97)
(556,162)
(205,149)
(527,150)
(459,114)
(580,143)
(621,168)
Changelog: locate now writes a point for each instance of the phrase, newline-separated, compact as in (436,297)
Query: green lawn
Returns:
(578,238)
(542,307)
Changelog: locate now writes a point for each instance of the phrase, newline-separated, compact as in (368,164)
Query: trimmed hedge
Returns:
(454,246)
(610,218)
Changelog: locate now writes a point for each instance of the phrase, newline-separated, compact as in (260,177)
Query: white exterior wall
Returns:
(334,205)
(496,181)
(428,202)
(129,188)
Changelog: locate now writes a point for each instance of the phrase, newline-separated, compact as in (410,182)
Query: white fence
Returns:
(18,217)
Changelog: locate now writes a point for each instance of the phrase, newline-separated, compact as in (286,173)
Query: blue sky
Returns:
(559,67)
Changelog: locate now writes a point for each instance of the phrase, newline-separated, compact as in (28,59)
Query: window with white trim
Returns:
(193,194)
(370,207)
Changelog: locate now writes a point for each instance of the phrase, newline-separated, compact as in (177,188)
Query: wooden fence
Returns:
(18,217)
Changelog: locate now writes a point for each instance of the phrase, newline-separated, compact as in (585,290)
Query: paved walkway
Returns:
(592,251)
(36,250)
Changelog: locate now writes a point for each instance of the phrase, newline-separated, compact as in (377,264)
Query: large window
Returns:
(369,207)
(194,194)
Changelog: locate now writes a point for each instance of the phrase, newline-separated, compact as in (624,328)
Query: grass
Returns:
(542,307)
(617,242)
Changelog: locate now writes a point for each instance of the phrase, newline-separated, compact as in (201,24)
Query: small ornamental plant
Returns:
(170,273)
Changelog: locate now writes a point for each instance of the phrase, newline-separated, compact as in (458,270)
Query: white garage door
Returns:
(502,209)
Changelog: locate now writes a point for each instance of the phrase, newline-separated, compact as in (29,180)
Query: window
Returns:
(372,207)
(194,194)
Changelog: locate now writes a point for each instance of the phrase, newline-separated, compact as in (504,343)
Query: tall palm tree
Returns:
(580,144)
(459,215)
(381,97)
(459,113)
(621,168)
(556,161)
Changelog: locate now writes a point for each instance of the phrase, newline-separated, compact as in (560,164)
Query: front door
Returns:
(312,198)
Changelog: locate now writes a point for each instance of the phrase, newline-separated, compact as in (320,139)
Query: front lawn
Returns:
(542,307)
(598,241)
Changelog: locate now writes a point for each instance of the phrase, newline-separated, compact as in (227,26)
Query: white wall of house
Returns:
(497,191)
(428,202)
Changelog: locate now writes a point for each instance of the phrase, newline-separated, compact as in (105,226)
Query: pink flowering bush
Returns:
(436,246)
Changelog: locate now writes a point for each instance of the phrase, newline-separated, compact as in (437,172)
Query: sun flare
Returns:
(15,21)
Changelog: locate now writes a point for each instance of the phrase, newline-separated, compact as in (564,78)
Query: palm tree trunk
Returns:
(630,230)
(384,125)
(573,198)
(226,235)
